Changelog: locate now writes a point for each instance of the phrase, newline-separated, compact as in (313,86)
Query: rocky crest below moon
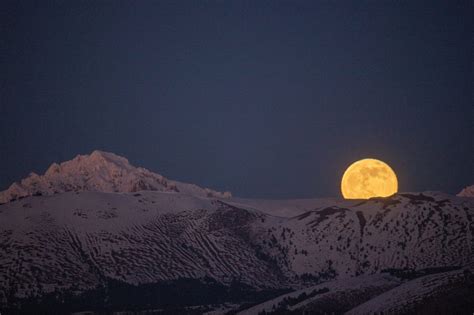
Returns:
(467,192)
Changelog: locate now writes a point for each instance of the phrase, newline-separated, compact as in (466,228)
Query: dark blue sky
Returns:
(262,98)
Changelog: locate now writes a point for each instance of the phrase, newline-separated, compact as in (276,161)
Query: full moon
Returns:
(368,178)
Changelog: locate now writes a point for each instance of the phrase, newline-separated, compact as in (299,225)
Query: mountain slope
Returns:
(441,293)
(329,297)
(99,171)
(404,231)
(80,238)
(429,291)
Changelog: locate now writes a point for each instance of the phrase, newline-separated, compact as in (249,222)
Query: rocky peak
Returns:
(467,192)
(99,171)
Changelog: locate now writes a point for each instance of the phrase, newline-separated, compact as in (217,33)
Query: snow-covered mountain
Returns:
(92,248)
(467,192)
(99,171)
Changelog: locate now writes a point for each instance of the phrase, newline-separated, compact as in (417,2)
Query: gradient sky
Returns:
(262,98)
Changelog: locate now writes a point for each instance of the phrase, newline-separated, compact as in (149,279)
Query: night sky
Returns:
(267,99)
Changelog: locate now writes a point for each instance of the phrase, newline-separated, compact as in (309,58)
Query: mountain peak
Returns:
(99,171)
(467,192)
(107,156)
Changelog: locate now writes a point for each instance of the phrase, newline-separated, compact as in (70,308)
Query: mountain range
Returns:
(98,234)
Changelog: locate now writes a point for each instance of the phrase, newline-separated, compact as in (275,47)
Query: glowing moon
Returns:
(368,178)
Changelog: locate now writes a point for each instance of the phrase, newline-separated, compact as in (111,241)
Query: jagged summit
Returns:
(467,192)
(99,171)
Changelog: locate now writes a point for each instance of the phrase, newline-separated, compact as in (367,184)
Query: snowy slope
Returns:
(77,239)
(331,296)
(99,171)
(405,231)
(439,293)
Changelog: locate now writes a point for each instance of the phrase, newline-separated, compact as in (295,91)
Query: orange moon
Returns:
(368,178)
